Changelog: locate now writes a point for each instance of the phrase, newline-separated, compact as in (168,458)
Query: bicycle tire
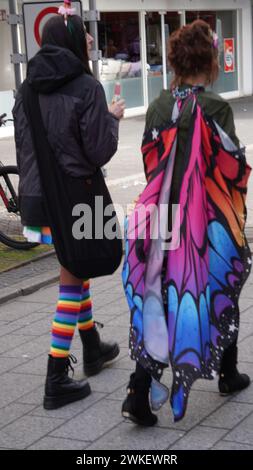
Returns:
(5,171)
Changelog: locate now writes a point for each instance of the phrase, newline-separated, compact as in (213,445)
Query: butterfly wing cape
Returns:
(206,265)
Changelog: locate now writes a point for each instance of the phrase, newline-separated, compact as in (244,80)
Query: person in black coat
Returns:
(83,135)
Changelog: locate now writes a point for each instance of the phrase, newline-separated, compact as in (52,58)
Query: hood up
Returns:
(51,68)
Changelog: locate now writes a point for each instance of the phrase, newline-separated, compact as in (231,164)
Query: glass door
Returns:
(159,26)
(225,24)
(173,20)
(119,41)
(154,54)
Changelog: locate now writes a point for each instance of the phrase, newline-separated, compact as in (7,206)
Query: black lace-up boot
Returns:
(60,389)
(231,380)
(95,352)
(136,406)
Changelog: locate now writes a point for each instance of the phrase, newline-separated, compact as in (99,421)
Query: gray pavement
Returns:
(212,421)
(29,277)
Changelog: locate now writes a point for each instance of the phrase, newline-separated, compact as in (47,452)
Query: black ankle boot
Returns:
(136,406)
(95,352)
(231,380)
(60,389)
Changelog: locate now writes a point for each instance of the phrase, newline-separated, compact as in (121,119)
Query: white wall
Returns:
(153,5)
(247,51)
(6,69)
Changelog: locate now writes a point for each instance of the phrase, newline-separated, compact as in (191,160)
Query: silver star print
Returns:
(155,134)
(232,328)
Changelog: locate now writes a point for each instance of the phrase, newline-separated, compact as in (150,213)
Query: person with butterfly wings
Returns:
(185,266)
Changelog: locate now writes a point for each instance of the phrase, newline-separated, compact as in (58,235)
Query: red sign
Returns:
(40,16)
(35,16)
(229,55)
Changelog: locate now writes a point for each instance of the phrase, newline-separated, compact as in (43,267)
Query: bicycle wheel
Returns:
(11,229)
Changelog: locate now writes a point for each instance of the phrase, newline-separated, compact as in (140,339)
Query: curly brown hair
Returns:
(191,52)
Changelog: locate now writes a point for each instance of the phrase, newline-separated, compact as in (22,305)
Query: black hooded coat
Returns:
(62,119)
(82,133)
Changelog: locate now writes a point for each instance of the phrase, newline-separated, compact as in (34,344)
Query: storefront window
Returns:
(172,23)
(7,71)
(224,23)
(154,54)
(119,41)
(155,49)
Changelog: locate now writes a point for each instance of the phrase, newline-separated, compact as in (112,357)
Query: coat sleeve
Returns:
(227,123)
(99,129)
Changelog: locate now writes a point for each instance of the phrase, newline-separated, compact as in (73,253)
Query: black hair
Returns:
(72,36)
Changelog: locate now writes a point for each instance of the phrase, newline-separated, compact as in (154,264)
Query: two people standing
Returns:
(183,301)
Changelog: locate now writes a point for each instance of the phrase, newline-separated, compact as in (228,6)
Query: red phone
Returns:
(117,92)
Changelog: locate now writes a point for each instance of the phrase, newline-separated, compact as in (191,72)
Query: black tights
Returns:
(229,359)
(141,373)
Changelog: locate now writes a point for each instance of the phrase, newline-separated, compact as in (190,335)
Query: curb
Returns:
(29,286)
(30,261)
(33,284)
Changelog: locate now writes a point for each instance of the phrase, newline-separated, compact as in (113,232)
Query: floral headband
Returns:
(65,10)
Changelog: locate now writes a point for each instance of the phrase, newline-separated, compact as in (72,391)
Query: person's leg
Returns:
(230,379)
(95,352)
(66,316)
(85,319)
(59,388)
(136,406)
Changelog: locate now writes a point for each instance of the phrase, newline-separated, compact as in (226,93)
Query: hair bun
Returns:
(192,52)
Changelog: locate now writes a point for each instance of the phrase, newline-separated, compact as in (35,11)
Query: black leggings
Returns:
(141,373)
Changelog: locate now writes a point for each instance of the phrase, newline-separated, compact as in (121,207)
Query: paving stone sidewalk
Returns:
(212,421)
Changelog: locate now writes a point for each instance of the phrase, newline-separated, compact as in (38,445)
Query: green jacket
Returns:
(160,111)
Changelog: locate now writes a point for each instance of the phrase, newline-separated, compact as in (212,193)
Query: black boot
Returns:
(95,352)
(136,406)
(60,389)
(231,380)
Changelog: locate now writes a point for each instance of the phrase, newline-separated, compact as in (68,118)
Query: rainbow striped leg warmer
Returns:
(85,320)
(65,320)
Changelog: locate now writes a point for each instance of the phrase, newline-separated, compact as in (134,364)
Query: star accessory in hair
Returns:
(215,41)
(65,10)
(215,38)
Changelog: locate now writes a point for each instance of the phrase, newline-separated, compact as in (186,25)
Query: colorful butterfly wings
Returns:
(205,274)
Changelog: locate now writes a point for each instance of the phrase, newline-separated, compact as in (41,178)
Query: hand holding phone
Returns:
(118,104)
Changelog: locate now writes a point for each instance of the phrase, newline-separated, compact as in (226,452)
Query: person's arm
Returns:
(99,129)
